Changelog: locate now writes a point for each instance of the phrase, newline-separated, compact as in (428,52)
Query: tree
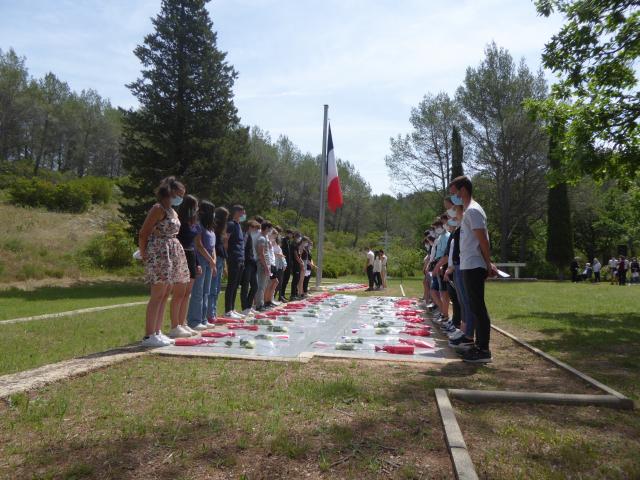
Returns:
(510,148)
(595,53)
(187,123)
(559,229)
(457,153)
(13,84)
(423,159)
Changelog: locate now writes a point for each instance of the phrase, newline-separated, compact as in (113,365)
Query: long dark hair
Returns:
(221,216)
(188,210)
(207,210)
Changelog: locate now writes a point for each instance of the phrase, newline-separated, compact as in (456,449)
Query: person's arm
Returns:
(203,251)
(481,235)
(153,217)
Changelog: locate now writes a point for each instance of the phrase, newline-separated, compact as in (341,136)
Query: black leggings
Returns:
(370,276)
(284,281)
(233,281)
(474,280)
(306,283)
(294,281)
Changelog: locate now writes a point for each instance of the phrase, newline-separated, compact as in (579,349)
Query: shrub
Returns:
(70,197)
(113,249)
(100,189)
(32,192)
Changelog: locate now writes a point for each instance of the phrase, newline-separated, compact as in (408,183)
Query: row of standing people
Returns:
(376,268)
(186,246)
(618,269)
(455,269)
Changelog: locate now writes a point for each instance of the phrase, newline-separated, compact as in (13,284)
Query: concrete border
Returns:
(488,396)
(460,459)
(71,312)
(599,385)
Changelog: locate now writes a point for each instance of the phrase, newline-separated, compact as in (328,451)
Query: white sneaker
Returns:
(237,315)
(189,330)
(153,341)
(178,333)
(165,339)
(456,335)
(246,311)
(200,327)
(233,314)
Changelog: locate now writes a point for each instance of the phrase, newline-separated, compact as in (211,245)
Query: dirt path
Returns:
(41,376)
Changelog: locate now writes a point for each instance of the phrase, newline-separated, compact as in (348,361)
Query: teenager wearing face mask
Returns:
(475,263)
(235,259)
(263,266)
(460,342)
(165,263)
(249,286)
(437,284)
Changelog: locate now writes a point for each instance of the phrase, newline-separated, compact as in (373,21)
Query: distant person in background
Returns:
(613,270)
(574,267)
(622,271)
(235,259)
(377,270)
(635,270)
(297,265)
(201,311)
(596,270)
(383,273)
(368,267)
(188,216)
(165,264)
(303,255)
(221,217)
(587,272)
(309,266)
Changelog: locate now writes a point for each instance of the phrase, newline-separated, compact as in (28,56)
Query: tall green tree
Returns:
(457,153)
(187,124)
(559,228)
(595,55)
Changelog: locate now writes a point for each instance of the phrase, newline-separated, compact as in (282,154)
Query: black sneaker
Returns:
(283,299)
(475,355)
(463,340)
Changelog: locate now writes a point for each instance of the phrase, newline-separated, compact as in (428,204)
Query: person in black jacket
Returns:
(287,251)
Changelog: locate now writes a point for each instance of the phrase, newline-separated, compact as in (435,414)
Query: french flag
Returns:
(334,192)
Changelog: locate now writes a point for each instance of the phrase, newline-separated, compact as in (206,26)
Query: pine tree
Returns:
(457,153)
(559,228)
(187,124)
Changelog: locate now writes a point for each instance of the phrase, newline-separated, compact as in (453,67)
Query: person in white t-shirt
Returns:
(475,264)
(383,273)
(377,270)
(368,267)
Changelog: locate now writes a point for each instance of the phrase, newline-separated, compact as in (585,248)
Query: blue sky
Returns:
(371,61)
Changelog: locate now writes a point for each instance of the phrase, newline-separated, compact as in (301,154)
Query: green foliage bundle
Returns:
(113,249)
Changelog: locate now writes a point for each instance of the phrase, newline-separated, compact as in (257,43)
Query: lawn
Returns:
(219,418)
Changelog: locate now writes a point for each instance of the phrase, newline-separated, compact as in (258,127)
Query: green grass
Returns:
(15,302)
(595,328)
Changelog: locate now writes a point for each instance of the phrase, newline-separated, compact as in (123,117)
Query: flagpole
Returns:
(323,196)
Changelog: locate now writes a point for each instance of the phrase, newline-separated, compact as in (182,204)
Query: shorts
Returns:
(435,284)
(191,262)
(443,285)
(274,273)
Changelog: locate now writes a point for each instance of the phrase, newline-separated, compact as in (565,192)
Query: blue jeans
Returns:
(216,286)
(197,313)
(463,300)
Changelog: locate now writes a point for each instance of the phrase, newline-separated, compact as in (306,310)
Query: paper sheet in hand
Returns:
(503,274)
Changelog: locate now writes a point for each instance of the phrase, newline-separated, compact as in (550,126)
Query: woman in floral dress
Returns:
(165,263)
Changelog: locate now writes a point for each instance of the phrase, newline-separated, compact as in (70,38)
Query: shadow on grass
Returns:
(607,344)
(79,290)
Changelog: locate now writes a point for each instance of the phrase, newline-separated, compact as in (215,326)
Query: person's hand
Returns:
(198,270)
(492,270)
(212,263)
(446,275)
(214,271)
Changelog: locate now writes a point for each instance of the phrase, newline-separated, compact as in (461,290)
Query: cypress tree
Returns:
(457,152)
(559,229)
(187,124)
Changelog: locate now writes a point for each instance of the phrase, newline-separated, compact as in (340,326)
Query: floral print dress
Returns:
(165,258)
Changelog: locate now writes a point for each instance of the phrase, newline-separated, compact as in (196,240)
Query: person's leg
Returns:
(178,297)
(457,316)
(286,274)
(262,278)
(474,281)
(370,276)
(235,276)
(435,292)
(184,308)
(216,285)
(156,297)
(467,315)
(194,313)
(206,293)
(301,283)
(294,281)
(253,283)
(384,279)
(273,287)
(305,283)
(444,297)
(161,306)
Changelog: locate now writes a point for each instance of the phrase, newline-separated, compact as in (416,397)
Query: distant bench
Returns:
(514,265)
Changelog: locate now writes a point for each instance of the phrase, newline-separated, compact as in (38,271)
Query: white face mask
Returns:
(451,212)
(439,230)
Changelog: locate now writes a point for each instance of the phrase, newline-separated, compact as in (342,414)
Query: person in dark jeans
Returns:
(369,268)
(475,264)
(288,256)
(249,285)
(235,259)
(296,269)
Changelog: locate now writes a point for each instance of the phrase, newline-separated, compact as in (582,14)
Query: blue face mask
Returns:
(243,218)
(452,222)
(176,201)
(456,200)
